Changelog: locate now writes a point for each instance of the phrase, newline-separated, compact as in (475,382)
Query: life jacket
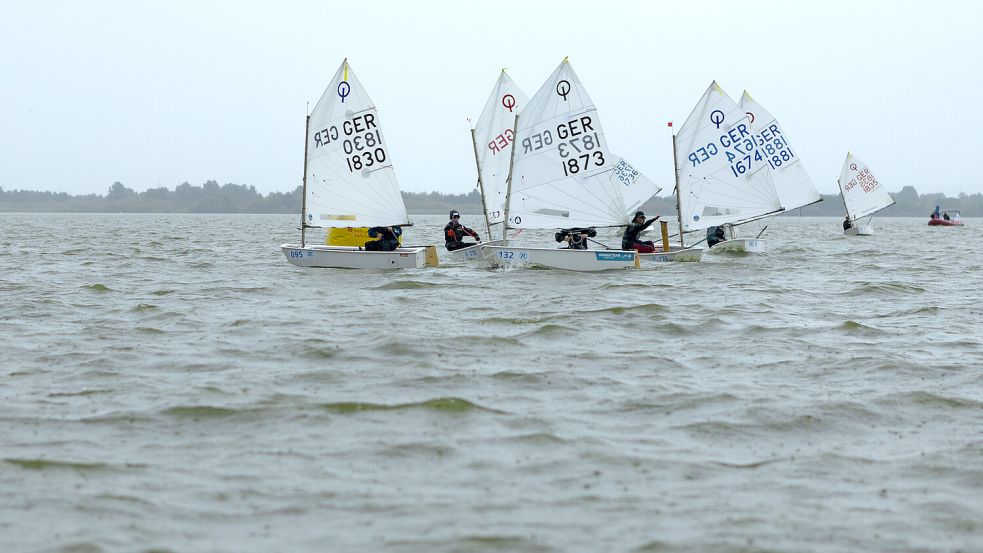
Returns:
(454,232)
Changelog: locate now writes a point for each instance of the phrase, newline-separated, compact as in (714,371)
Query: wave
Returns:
(80,393)
(855,326)
(517,320)
(645,308)
(929,399)
(98,288)
(883,288)
(549,330)
(519,377)
(924,310)
(48,464)
(415,285)
(201,412)
(442,404)
(320,350)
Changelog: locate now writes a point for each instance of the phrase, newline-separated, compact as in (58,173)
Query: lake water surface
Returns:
(170,383)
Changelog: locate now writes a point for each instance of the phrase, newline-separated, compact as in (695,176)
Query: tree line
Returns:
(239,198)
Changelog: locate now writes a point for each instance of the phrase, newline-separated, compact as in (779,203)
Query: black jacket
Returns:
(453,232)
(633,231)
(715,235)
(387,240)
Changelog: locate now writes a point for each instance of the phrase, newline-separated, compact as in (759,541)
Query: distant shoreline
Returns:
(241,199)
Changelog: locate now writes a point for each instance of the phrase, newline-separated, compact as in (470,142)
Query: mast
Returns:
(508,189)
(840,185)
(481,184)
(843,197)
(303,195)
(679,212)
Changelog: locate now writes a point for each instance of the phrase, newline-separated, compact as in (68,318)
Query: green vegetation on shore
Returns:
(234,198)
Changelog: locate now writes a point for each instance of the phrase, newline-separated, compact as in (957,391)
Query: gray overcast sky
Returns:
(157,93)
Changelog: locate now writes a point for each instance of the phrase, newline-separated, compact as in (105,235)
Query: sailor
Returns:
(715,235)
(577,241)
(454,231)
(630,239)
(387,239)
(847,223)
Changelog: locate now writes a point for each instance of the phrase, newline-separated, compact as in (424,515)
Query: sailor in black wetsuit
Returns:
(715,235)
(576,241)
(387,239)
(847,223)
(454,231)
(630,239)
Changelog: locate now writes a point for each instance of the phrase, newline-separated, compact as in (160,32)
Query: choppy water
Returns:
(171,383)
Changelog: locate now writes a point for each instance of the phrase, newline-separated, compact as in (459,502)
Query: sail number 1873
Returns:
(582,162)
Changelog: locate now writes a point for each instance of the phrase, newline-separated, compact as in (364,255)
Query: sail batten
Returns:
(350,180)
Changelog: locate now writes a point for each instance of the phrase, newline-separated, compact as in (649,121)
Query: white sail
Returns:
(493,143)
(563,173)
(795,188)
(722,175)
(350,178)
(863,195)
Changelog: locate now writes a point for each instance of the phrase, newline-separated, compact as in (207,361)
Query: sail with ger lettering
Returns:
(564,175)
(350,178)
(493,143)
(722,175)
(795,188)
(863,194)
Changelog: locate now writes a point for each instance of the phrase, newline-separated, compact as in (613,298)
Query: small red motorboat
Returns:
(948,219)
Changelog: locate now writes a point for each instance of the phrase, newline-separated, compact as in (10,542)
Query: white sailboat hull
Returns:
(739,245)
(476,252)
(675,254)
(568,260)
(860,230)
(347,257)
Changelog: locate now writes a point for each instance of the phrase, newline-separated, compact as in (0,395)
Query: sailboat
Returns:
(722,173)
(862,195)
(564,176)
(349,181)
(492,138)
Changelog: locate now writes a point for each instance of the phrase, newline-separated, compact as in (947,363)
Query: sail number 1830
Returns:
(364,151)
